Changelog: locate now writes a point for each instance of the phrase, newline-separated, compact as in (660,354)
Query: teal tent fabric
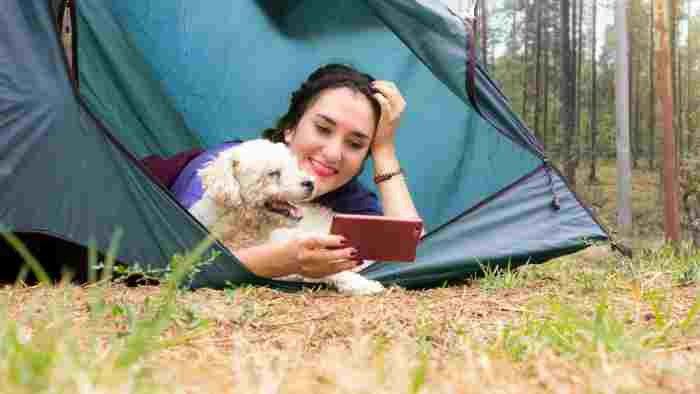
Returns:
(163,77)
(126,96)
(62,174)
(227,82)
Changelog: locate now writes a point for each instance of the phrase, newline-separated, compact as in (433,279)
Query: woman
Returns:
(336,120)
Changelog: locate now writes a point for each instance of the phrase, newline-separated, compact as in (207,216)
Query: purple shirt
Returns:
(187,186)
(351,198)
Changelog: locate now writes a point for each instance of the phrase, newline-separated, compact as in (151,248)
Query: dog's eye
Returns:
(274,174)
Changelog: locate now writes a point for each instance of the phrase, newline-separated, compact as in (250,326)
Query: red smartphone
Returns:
(380,238)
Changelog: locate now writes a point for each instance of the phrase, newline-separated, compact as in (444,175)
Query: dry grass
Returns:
(592,322)
(457,339)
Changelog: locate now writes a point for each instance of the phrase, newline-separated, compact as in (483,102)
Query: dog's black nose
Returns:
(308,185)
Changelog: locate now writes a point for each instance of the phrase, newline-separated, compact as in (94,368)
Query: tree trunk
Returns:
(574,77)
(637,111)
(484,34)
(526,70)
(664,71)
(579,77)
(513,46)
(678,103)
(630,80)
(674,75)
(545,123)
(592,176)
(566,87)
(624,172)
(690,198)
(691,205)
(688,72)
(538,69)
(652,90)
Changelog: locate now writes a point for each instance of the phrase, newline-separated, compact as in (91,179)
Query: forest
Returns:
(558,70)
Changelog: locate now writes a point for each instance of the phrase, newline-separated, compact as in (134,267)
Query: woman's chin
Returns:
(323,186)
(320,190)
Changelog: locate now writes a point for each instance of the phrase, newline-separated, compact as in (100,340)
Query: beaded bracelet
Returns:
(385,177)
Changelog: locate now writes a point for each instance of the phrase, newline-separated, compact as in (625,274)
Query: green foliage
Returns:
(570,331)
(40,352)
(513,34)
(633,314)
(691,318)
(419,374)
(28,258)
(495,277)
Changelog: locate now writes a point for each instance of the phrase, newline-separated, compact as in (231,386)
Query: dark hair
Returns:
(330,76)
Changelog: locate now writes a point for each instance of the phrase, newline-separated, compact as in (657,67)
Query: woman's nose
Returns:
(333,151)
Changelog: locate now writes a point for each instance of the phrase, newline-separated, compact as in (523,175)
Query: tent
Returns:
(165,77)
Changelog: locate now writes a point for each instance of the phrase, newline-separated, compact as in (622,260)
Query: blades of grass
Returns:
(636,288)
(143,337)
(187,264)
(600,327)
(92,260)
(490,276)
(27,257)
(96,299)
(111,255)
(23,273)
(694,309)
(186,338)
(659,315)
(419,373)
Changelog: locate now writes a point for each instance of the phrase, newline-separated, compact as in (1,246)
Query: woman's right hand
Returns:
(320,255)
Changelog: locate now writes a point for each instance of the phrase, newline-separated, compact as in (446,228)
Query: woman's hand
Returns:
(392,105)
(317,256)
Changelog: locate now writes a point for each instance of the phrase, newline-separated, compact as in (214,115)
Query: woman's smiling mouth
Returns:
(321,169)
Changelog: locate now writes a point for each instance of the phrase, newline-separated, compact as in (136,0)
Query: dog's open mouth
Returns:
(284,208)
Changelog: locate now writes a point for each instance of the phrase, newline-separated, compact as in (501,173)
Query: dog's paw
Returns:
(354,284)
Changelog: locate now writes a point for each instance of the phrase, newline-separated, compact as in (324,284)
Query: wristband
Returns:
(379,178)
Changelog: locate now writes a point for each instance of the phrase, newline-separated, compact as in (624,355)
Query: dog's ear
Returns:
(235,162)
(219,179)
(233,198)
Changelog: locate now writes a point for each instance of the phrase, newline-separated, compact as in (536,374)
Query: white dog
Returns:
(256,192)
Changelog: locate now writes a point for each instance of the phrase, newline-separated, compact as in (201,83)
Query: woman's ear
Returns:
(288,134)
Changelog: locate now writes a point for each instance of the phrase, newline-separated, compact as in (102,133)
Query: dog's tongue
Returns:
(295,212)
(285,208)
(292,210)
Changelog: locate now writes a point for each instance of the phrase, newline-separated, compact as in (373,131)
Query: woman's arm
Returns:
(269,260)
(394,194)
(311,256)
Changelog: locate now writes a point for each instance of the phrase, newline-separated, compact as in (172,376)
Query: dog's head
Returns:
(258,174)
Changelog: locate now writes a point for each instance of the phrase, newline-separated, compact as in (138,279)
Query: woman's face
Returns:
(333,137)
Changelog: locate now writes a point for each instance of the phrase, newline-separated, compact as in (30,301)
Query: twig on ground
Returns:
(687,346)
(276,325)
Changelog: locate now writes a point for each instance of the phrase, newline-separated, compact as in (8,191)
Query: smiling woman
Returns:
(336,120)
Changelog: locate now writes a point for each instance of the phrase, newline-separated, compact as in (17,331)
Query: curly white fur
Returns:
(238,184)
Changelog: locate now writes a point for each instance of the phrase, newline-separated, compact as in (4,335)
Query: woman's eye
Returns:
(356,145)
(274,174)
(323,130)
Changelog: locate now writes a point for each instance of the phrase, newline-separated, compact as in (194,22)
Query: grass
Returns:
(593,322)
(496,277)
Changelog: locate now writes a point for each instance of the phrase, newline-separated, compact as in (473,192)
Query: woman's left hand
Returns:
(392,105)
